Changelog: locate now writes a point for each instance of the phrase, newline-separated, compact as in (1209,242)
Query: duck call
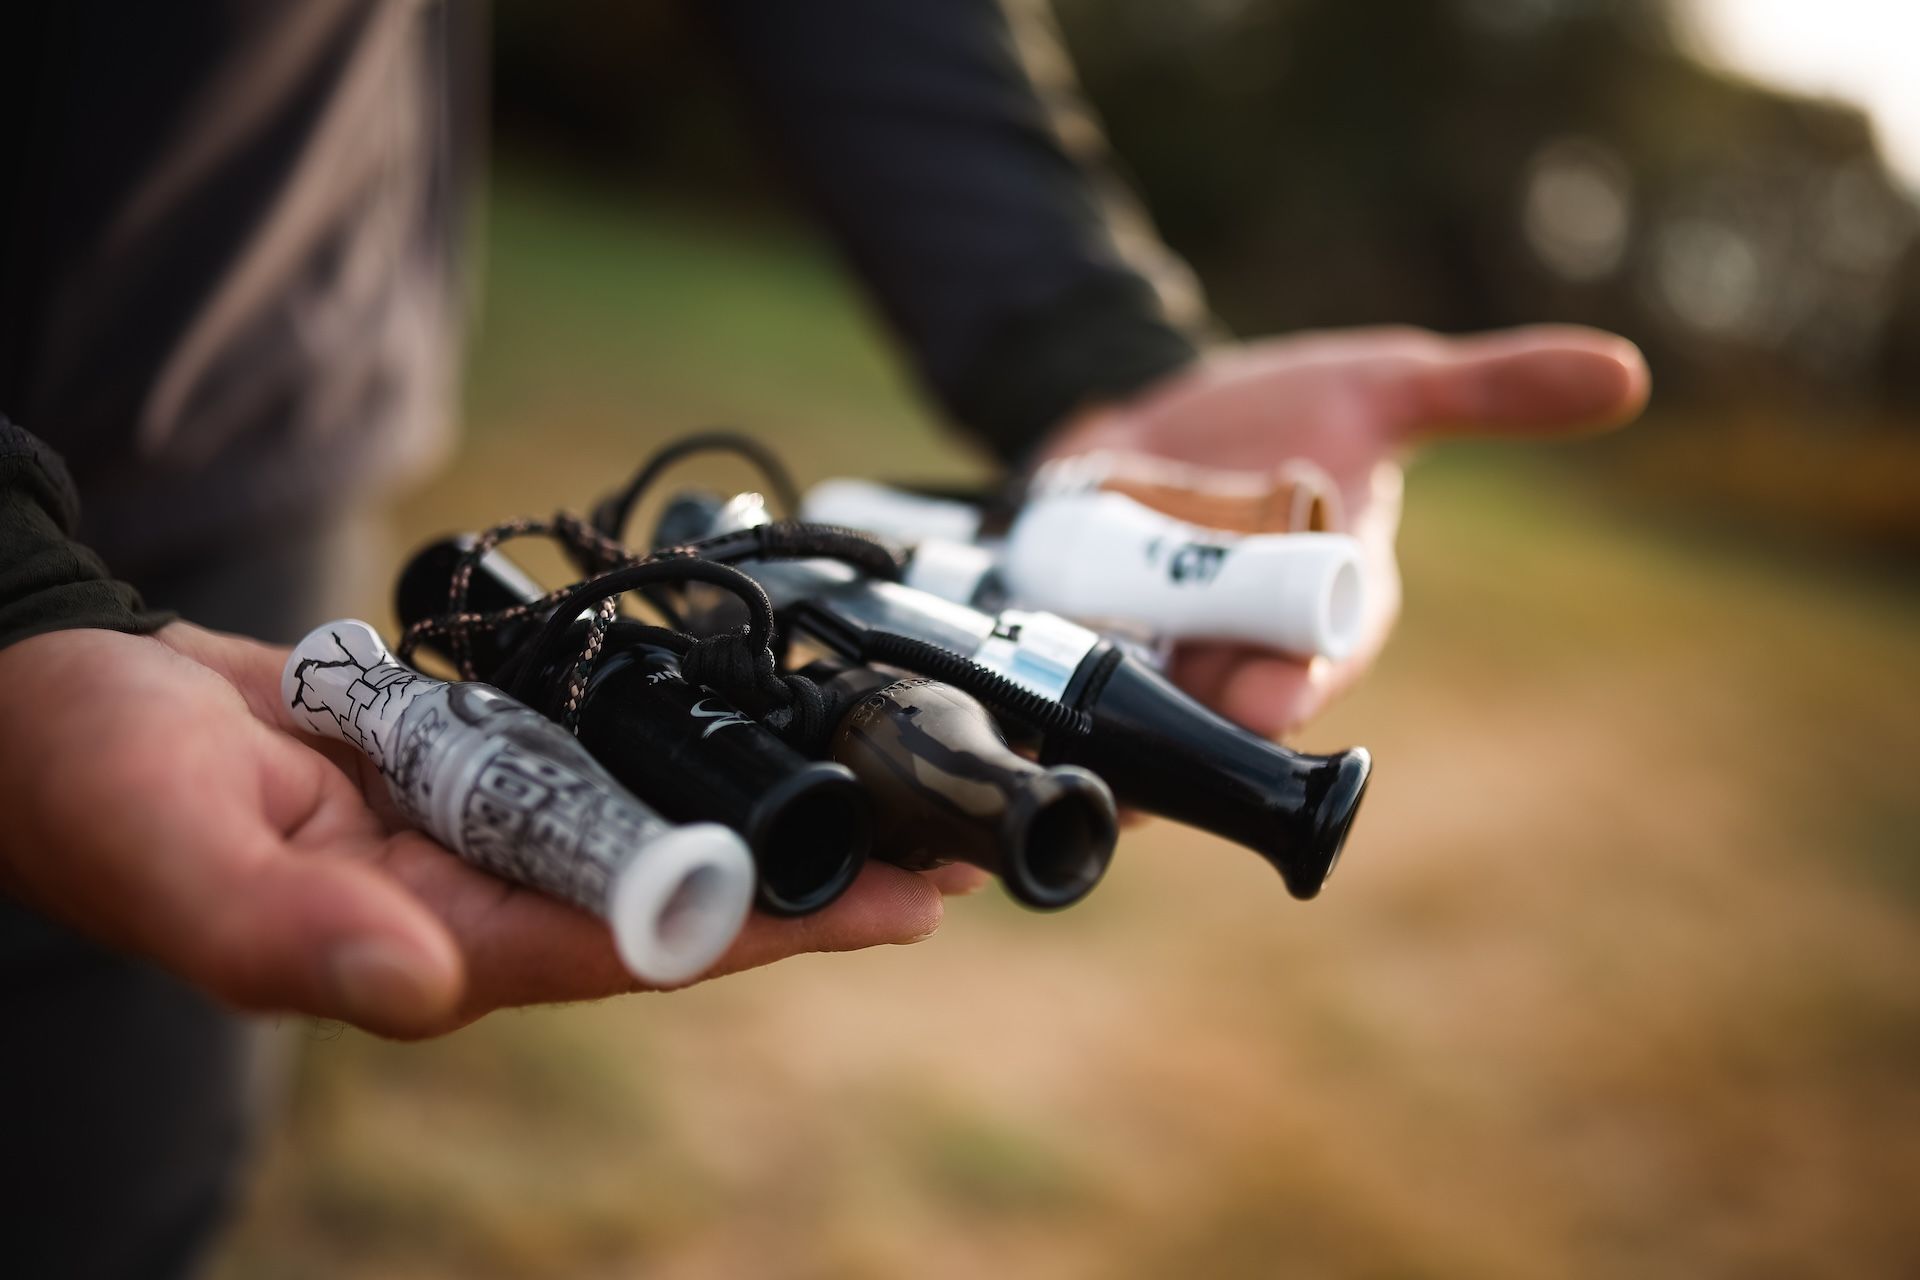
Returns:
(1131,565)
(1295,497)
(512,793)
(677,745)
(1156,747)
(1298,593)
(947,788)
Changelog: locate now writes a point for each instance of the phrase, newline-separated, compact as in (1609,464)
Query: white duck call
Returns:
(1103,556)
(512,793)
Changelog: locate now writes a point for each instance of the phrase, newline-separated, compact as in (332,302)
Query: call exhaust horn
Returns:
(947,788)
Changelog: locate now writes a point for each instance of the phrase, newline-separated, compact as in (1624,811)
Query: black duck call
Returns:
(1155,746)
(679,746)
(947,788)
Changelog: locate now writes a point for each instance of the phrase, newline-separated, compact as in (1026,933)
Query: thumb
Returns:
(886,905)
(327,936)
(1550,379)
(250,666)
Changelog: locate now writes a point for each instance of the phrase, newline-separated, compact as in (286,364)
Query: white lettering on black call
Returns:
(721,716)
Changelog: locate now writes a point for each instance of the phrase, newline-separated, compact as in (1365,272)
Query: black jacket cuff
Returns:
(49,582)
(1105,339)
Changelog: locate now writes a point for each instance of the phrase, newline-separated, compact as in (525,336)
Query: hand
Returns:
(1354,402)
(154,802)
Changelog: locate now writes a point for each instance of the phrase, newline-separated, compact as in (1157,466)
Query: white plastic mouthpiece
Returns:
(891,513)
(515,795)
(677,910)
(1103,556)
(951,570)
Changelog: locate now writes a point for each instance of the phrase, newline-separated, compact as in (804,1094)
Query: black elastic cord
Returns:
(615,512)
(677,568)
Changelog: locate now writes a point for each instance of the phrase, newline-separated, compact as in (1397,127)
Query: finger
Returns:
(957,879)
(532,950)
(521,947)
(252,667)
(218,891)
(1271,695)
(1268,694)
(1275,697)
(1541,379)
(320,935)
(886,905)
(518,946)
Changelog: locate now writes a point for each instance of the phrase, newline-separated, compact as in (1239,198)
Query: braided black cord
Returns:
(738,664)
(801,540)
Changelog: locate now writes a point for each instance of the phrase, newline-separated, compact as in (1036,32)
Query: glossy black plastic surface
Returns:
(1163,752)
(678,746)
(1157,747)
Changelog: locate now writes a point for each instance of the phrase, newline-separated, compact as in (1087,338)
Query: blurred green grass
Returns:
(1618,977)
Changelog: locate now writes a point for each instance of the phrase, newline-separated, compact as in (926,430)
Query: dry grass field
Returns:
(1620,975)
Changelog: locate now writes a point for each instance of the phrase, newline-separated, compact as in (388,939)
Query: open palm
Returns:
(1355,402)
(156,803)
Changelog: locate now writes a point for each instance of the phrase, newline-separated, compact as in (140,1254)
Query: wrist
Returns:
(1101,425)
(1099,343)
(1116,422)
(48,581)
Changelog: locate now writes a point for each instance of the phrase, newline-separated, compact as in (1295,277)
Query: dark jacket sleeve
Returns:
(49,582)
(918,133)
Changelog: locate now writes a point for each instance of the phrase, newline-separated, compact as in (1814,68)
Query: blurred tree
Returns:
(1482,162)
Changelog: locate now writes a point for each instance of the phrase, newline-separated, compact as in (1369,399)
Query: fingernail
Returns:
(383,986)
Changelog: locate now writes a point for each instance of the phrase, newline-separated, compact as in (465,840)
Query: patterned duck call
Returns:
(679,746)
(512,793)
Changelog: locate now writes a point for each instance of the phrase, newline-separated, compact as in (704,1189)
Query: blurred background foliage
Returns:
(1461,164)
(1617,978)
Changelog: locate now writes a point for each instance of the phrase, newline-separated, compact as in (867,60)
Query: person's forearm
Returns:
(925,145)
(49,582)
